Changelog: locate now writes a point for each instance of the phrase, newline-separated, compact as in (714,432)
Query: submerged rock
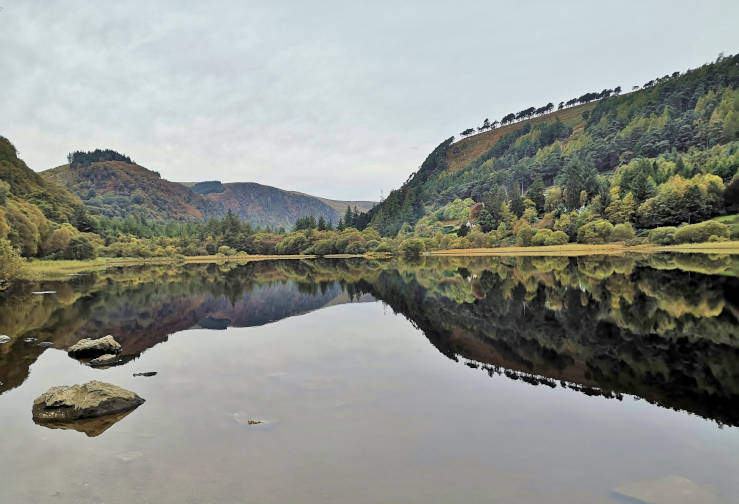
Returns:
(4,339)
(104,360)
(46,344)
(94,347)
(93,399)
(147,374)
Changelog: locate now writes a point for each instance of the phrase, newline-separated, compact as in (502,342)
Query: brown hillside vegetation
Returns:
(468,149)
(117,188)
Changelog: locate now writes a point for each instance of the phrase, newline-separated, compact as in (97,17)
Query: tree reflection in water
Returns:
(661,327)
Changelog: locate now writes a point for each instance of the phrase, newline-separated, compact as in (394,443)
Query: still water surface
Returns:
(590,380)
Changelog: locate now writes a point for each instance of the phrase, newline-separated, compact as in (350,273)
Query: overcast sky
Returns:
(336,99)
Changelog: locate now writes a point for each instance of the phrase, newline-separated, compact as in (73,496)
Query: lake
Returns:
(539,379)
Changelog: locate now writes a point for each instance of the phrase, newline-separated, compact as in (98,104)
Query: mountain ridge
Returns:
(119,188)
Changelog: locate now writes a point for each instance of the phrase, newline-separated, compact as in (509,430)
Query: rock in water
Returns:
(4,339)
(104,360)
(90,400)
(94,347)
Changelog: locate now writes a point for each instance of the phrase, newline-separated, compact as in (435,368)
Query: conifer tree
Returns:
(536,192)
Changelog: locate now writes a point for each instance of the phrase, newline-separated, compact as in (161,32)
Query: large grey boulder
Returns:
(93,399)
(94,347)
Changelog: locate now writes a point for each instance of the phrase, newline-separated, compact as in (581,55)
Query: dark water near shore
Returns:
(583,380)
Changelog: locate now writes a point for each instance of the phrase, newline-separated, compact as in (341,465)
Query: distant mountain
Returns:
(340,206)
(115,186)
(269,206)
(259,204)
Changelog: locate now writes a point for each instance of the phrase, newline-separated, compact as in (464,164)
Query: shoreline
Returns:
(579,249)
(44,269)
(54,270)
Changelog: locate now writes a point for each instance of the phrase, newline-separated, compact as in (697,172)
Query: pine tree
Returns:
(486,220)
(517,206)
(536,192)
(349,217)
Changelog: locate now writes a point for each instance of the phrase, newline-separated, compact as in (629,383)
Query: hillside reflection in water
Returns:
(662,328)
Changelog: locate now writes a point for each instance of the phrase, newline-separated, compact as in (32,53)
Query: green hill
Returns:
(35,213)
(660,155)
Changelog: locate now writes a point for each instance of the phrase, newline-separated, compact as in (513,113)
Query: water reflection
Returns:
(662,328)
(91,427)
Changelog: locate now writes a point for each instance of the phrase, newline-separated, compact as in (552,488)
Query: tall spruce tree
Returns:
(536,192)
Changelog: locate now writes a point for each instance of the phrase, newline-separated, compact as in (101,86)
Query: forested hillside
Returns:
(117,187)
(37,217)
(662,155)
(126,210)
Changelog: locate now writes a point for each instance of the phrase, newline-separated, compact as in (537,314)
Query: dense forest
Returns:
(663,155)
